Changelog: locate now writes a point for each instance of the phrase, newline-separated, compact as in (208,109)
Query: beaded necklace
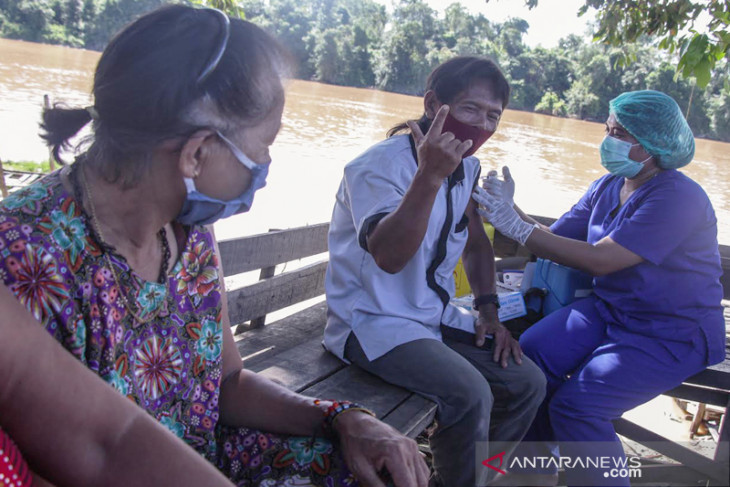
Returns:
(108,249)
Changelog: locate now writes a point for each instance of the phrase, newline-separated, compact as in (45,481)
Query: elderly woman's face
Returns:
(615,130)
(225,177)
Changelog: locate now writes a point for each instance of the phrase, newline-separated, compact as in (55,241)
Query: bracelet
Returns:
(485,299)
(337,408)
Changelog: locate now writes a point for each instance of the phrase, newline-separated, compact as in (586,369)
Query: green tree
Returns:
(674,23)
(114,15)
(291,22)
(525,75)
(357,58)
(58,14)
(580,101)
(551,104)
(325,15)
(231,7)
(370,16)
(720,115)
(72,18)
(510,34)
(683,91)
(326,58)
(536,72)
(465,34)
(28,20)
(88,11)
(409,50)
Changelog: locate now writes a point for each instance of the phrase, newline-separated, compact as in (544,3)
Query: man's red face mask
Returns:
(463,131)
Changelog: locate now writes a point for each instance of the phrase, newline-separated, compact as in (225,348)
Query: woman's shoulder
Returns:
(680,186)
(43,215)
(36,199)
(45,203)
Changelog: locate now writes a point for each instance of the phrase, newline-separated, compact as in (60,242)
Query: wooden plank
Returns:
(281,335)
(717,376)
(300,367)
(279,354)
(411,417)
(725,278)
(668,448)
(276,293)
(725,252)
(51,158)
(722,452)
(265,273)
(699,394)
(269,249)
(354,384)
(3,187)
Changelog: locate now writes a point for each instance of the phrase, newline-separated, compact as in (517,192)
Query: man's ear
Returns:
(431,104)
(194,152)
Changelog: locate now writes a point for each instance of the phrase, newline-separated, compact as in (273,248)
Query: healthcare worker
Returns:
(648,235)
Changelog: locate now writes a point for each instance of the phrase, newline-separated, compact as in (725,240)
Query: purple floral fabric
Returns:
(170,361)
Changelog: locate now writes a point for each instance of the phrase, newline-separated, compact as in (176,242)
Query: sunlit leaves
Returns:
(675,24)
(231,7)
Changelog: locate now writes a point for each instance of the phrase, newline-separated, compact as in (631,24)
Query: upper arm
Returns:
(477,239)
(26,253)
(231,358)
(371,195)
(614,257)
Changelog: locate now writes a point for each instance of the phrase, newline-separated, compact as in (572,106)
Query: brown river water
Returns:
(553,160)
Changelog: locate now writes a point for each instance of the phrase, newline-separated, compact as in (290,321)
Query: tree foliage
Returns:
(696,30)
(231,7)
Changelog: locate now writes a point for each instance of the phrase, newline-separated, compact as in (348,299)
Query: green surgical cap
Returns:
(655,120)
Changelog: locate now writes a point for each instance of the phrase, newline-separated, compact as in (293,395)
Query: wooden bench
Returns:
(289,350)
(711,386)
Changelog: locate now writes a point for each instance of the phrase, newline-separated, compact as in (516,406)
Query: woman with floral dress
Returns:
(113,256)
(46,394)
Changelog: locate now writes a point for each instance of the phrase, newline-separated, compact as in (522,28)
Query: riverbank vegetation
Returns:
(360,43)
(27,166)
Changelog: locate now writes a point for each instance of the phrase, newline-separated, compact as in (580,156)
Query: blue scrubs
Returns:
(646,328)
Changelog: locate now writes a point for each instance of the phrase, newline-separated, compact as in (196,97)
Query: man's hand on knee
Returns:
(503,343)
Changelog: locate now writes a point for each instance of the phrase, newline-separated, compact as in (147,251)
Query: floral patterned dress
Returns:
(167,358)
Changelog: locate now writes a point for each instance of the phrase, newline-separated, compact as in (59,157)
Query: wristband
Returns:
(485,299)
(336,409)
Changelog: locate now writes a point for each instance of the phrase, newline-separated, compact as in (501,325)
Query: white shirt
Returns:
(387,310)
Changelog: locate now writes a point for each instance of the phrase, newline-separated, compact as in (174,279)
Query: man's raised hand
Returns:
(439,154)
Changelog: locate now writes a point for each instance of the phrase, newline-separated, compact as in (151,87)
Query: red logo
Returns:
(501,459)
